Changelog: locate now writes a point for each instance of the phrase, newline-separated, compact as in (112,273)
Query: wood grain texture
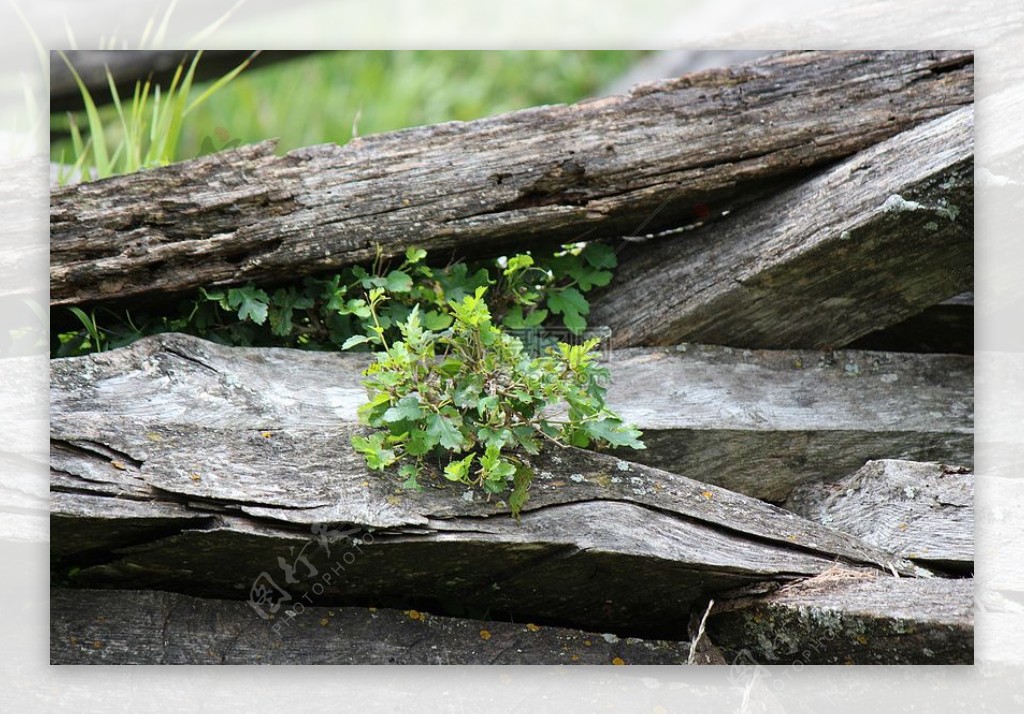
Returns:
(108,627)
(184,490)
(755,422)
(655,158)
(922,511)
(850,617)
(862,246)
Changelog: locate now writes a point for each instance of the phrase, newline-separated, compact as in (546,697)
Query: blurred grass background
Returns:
(332,96)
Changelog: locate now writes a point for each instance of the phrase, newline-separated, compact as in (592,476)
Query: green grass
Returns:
(329,97)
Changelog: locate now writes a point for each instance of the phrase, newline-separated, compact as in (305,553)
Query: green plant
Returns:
(144,133)
(327,313)
(473,391)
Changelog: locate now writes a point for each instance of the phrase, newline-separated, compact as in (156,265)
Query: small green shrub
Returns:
(328,313)
(473,396)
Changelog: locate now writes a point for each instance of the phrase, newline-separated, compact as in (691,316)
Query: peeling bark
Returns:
(860,247)
(655,158)
(183,490)
(755,422)
(921,511)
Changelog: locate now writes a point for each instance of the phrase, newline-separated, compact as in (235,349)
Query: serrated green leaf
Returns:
(433,320)
(415,255)
(520,489)
(458,470)
(615,433)
(599,256)
(398,282)
(444,431)
(407,408)
(250,302)
(353,341)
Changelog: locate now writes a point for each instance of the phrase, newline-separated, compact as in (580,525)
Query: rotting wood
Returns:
(862,246)
(846,616)
(921,511)
(656,158)
(148,498)
(103,627)
(752,421)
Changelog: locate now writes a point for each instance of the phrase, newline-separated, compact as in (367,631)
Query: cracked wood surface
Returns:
(921,511)
(105,627)
(175,487)
(862,246)
(655,158)
(847,616)
(755,422)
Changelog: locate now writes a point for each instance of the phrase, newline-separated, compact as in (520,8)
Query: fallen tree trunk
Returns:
(847,616)
(158,628)
(921,511)
(862,246)
(755,422)
(656,158)
(146,498)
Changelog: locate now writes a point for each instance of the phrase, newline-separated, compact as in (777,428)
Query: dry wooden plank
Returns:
(847,616)
(947,327)
(922,511)
(144,496)
(657,156)
(104,627)
(755,422)
(860,247)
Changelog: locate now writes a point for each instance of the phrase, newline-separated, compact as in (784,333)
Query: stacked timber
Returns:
(807,491)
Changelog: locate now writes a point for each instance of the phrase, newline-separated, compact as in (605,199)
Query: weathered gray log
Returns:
(144,497)
(755,422)
(862,246)
(921,511)
(104,627)
(130,66)
(848,616)
(947,327)
(656,157)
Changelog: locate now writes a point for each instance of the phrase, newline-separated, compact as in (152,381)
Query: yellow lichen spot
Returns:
(902,527)
(154,437)
(266,435)
(532,627)
(97,644)
(73,640)
(324,621)
(414,615)
(707,494)
(586,643)
(658,486)
(863,640)
(393,499)
(371,609)
(194,476)
(486,635)
(117,465)
(618,661)
(574,657)
(366,482)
